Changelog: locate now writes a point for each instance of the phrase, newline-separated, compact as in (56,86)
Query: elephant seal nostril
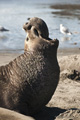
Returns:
(29,27)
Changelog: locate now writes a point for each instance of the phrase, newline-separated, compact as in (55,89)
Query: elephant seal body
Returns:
(28,82)
(6,114)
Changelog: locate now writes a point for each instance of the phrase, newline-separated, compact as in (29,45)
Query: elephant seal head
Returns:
(35,27)
(39,24)
(35,43)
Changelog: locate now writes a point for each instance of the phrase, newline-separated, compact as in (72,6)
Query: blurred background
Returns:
(14,13)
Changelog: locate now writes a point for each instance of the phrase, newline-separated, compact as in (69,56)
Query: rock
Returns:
(72,114)
(74,75)
(39,24)
(71,74)
(75,43)
(2,29)
(70,67)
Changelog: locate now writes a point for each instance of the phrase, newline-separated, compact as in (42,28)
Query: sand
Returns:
(65,103)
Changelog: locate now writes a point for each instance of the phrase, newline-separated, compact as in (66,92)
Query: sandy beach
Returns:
(65,103)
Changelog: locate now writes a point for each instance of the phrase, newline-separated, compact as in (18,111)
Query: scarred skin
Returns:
(28,82)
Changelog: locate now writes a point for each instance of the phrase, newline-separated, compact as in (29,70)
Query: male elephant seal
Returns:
(6,114)
(28,82)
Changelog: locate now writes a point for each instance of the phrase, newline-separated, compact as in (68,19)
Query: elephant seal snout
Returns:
(39,24)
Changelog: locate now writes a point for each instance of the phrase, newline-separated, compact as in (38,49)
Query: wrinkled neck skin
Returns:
(47,48)
(35,43)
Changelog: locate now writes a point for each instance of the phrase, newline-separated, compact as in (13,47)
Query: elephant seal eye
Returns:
(29,27)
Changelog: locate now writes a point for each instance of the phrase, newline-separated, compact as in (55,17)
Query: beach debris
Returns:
(74,75)
(64,30)
(71,74)
(2,29)
(71,114)
(75,43)
(28,82)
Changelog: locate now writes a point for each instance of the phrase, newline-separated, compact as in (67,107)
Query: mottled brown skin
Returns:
(28,82)
(39,24)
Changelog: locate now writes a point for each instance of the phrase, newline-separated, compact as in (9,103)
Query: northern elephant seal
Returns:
(6,114)
(28,82)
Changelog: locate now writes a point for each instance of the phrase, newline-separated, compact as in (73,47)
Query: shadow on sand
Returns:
(48,113)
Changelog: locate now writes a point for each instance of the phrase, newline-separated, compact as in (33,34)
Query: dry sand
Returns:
(65,103)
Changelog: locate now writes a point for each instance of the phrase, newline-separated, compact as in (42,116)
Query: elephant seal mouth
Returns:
(55,42)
